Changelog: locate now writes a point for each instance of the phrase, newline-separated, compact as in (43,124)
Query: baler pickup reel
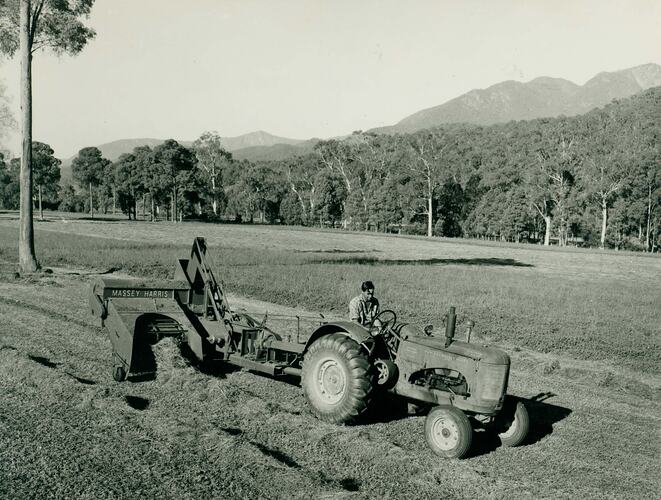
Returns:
(138,312)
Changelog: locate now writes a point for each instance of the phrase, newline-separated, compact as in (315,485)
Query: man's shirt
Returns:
(363,311)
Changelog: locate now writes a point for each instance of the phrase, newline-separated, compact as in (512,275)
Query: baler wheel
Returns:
(448,432)
(516,423)
(119,373)
(336,379)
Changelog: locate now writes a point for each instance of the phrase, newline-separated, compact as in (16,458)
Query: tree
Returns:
(429,159)
(30,25)
(257,188)
(300,173)
(46,172)
(173,162)
(330,193)
(338,157)
(70,201)
(7,121)
(212,160)
(89,169)
(145,165)
(373,156)
(11,193)
(549,164)
(8,184)
(128,182)
(608,157)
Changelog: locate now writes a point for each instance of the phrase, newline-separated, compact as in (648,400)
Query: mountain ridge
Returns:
(541,97)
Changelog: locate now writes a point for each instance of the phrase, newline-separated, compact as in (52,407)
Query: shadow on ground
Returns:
(543,416)
(104,219)
(54,365)
(336,250)
(348,484)
(421,262)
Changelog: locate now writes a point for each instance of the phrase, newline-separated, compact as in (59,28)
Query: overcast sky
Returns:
(301,69)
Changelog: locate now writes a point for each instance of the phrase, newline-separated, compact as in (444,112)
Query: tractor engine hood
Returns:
(476,352)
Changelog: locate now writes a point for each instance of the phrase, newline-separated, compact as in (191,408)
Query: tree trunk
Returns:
(27,259)
(114,201)
(604,221)
(41,209)
(144,201)
(214,202)
(547,232)
(649,217)
(174,204)
(429,217)
(152,215)
(91,203)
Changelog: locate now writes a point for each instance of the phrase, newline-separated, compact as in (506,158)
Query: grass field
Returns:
(582,328)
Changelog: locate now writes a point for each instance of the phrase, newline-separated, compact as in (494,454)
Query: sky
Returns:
(302,69)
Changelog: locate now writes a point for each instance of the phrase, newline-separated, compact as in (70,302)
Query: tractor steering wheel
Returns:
(384,321)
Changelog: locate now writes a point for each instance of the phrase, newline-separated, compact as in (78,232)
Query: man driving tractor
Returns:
(364,307)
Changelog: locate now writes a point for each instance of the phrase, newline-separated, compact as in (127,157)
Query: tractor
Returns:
(343,366)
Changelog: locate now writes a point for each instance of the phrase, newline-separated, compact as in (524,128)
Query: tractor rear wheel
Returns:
(448,432)
(513,422)
(337,379)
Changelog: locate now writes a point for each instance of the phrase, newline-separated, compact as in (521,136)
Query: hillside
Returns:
(255,144)
(541,97)
(274,152)
(499,103)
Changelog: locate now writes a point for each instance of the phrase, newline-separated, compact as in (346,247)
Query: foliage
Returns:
(128,181)
(56,25)
(171,171)
(544,180)
(9,187)
(89,167)
(45,169)
(212,160)
(7,121)
(70,201)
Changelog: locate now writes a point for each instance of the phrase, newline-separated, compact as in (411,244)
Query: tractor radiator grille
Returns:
(494,381)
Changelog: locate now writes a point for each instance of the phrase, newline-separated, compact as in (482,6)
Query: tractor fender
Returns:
(354,331)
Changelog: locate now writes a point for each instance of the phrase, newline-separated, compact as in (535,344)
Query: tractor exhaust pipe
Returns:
(450,323)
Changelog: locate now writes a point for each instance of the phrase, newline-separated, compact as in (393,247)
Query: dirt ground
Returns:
(68,430)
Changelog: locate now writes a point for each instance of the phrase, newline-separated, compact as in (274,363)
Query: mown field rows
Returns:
(67,430)
(582,330)
(589,305)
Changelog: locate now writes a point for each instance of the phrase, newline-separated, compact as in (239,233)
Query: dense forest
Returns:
(590,180)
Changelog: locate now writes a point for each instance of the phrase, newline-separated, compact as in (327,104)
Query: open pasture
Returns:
(582,328)
(591,305)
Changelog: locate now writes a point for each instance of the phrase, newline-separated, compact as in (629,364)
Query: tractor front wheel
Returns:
(336,379)
(513,422)
(448,432)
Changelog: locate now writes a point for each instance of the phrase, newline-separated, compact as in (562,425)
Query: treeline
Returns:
(591,180)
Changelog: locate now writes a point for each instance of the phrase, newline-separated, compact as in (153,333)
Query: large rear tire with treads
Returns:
(337,379)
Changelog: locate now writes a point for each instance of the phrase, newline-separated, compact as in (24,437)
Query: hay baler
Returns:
(342,365)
